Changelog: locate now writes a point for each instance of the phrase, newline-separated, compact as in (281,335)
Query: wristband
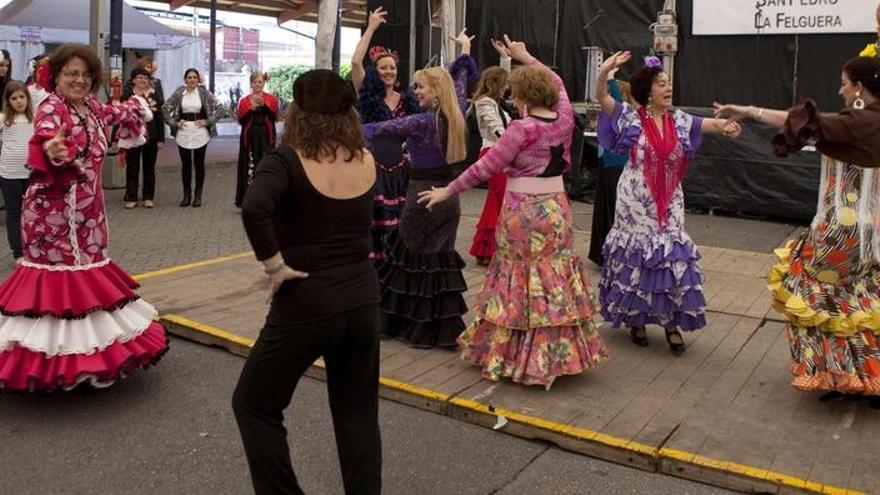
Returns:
(273,271)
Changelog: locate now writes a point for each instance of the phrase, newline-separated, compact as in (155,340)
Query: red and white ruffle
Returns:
(61,326)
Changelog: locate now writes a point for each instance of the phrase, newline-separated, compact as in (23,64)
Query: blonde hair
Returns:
(533,86)
(439,79)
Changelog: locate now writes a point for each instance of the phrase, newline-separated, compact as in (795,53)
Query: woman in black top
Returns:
(308,213)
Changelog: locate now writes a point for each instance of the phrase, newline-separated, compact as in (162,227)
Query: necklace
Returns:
(84,122)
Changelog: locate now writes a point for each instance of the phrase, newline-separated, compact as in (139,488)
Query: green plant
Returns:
(281,80)
(345,70)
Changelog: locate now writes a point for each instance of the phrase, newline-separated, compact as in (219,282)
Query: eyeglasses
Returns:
(74,75)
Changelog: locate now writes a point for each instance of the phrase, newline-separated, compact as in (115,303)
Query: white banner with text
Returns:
(713,17)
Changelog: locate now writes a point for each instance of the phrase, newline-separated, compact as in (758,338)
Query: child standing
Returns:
(16,129)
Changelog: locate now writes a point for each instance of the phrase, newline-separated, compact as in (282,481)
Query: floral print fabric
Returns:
(534,314)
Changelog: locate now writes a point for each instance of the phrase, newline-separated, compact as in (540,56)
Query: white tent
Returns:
(27,25)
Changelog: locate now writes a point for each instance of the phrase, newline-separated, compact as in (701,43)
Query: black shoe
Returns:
(186,201)
(197,202)
(675,341)
(639,336)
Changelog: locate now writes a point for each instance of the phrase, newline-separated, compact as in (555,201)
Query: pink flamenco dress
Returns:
(68,313)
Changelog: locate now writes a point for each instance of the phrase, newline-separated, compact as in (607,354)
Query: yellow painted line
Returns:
(560,428)
(207,329)
(752,472)
(190,266)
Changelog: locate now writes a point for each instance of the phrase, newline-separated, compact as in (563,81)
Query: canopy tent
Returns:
(27,26)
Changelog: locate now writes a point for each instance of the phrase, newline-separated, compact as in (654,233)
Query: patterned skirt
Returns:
(833,323)
(421,280)
(534,315)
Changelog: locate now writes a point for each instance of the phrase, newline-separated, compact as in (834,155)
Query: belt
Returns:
(191,116)
(536,185)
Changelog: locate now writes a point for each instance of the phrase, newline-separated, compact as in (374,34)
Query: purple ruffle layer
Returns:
(652,280)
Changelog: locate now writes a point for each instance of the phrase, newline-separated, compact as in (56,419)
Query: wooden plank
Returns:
(413,370)
(749,292)
(660,393)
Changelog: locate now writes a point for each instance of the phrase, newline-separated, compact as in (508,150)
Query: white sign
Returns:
(163,41)
(31,34)
(783,16)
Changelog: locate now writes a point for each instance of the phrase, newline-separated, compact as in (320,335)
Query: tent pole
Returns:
(412,39)
(96,28)
(213,50)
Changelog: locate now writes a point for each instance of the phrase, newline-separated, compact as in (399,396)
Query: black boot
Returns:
(197,199)
(186,199)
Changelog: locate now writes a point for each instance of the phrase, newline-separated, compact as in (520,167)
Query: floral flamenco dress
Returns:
(827,282)
(68,314)
(651,273)
(534,315)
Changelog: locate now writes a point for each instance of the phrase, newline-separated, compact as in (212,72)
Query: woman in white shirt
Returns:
(192,113)
(492,121)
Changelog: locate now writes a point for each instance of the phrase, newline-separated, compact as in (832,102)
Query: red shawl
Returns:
(663,167)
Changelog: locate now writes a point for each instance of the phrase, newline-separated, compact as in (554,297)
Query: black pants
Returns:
(13,192)
(146,152)
(603,210)
(188,159)
(349,343)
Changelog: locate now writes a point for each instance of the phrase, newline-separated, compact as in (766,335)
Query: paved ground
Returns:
(171,430)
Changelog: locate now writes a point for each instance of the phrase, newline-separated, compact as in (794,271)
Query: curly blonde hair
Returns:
(533,86)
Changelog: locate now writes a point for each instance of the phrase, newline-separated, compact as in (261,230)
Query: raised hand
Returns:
(56,148)
(463,40)
(517,50)
(377,18)
(615,61)
(731,112)
(732,129)
(501,48)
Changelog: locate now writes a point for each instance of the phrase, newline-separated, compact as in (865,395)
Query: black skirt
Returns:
(422,285)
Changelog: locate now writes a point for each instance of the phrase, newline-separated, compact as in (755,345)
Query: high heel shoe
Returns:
(639,336)
(675,341)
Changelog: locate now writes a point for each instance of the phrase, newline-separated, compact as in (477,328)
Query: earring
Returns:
(435,105)
(859,103)
(650,107)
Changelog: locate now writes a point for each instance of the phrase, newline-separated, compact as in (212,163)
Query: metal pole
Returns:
(213,51)
(669,60)
(115,36)
(96,28)
(337,40)
(412,39)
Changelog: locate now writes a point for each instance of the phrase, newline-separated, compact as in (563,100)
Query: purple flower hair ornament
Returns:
(653,62)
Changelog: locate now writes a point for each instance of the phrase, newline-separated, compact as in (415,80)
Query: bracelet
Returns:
(273,271)
(760,114)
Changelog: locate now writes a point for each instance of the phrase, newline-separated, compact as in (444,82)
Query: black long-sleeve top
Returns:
(325,237)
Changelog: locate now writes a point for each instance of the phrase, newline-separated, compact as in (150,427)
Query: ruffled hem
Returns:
(823,361)
(652,280)
(848,316)
(536,293)
(28,371)
(836,382)
(441,332)
(91,333)
(66,294)
(484,243)
(532,357)
(422,295)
